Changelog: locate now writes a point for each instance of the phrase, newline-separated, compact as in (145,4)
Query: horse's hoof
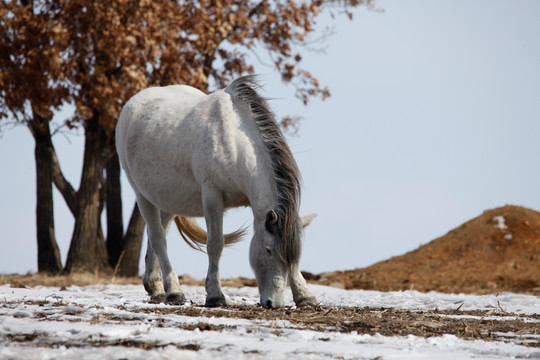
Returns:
(157,299)
(307,302)
(175,299)
(215,302)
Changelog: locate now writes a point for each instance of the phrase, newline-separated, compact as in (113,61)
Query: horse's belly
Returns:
(184,196)
(174,194)
(183,203)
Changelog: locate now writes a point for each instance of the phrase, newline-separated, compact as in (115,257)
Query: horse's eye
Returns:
(269,251)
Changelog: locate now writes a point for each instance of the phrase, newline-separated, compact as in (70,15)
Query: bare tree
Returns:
(96,55)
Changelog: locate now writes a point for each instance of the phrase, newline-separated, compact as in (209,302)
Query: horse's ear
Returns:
(307,219)
(271,221)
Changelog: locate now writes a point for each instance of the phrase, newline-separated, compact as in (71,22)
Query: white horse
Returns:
(188,154)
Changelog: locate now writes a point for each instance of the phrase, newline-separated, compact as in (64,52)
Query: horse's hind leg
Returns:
(152,280)
(157,224)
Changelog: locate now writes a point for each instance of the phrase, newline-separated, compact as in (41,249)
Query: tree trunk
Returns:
(128,264)
(87,251)
(49,260)
(115,223)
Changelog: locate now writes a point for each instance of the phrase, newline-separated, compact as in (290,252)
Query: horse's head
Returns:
(270,268)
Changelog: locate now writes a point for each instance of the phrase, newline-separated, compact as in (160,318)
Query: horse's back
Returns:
(158,100)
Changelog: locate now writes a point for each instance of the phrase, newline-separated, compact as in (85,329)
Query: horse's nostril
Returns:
(268,304)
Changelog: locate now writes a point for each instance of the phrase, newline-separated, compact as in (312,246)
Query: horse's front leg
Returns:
(301,294)
(213,214)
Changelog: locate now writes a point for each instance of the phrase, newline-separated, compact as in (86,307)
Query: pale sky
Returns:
(434,118)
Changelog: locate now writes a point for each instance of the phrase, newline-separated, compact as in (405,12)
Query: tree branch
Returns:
(66,189)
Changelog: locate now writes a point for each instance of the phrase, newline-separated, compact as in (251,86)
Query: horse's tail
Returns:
(195,237)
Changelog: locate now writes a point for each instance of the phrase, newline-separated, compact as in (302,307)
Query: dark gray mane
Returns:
(286,173)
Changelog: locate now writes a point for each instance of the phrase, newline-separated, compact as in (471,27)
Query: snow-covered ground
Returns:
(117,322)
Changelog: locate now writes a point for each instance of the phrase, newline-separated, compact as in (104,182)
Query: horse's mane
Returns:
(285,169)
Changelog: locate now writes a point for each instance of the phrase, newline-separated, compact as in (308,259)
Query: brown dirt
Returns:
(477,257)
(388,322)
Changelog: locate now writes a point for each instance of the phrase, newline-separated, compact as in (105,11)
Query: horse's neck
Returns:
(263,195)
(261,183)
(259,180)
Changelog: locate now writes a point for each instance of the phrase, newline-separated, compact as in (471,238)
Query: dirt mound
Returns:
(497,251)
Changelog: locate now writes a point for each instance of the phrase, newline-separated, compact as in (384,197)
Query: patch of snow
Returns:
(410,299)
(490,318)
(500,222)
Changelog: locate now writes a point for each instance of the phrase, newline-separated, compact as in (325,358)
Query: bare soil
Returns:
(485,325)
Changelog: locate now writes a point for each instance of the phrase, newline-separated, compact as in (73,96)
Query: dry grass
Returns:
(85,279)
(79,279)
